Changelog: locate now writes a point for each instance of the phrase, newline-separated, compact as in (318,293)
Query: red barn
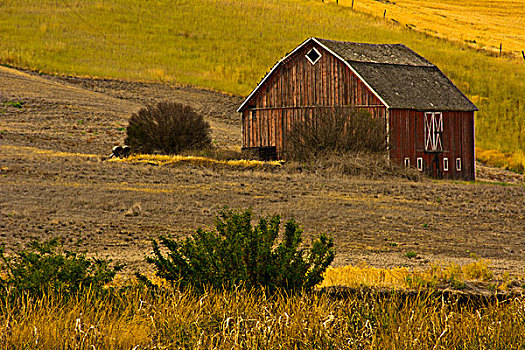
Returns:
(430,123)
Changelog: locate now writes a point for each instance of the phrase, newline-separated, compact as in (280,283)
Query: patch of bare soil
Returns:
(53,182)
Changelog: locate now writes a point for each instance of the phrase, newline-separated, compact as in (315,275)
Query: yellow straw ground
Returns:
(199,161)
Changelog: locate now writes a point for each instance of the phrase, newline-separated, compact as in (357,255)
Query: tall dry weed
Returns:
(335,130)
(238,319)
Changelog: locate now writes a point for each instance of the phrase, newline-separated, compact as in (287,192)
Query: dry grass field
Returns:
(55,133)
(483,24)
(250,320)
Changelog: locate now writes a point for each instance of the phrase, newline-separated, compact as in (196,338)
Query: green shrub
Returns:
(15,104)
(40,268)
(411,255)
(238,253)
(340,130)
(168,128)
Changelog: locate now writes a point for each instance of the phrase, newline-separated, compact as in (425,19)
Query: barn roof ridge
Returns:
(392,64)
(394,54)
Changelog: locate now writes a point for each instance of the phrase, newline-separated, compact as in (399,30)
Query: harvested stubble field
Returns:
(56,131)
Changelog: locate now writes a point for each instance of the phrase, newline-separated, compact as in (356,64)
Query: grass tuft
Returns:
(437,275)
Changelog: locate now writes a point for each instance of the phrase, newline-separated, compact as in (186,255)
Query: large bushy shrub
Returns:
(238,253)
(168,128)
(338,129)
(43,267)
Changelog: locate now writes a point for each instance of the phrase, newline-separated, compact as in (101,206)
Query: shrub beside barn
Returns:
(429,122)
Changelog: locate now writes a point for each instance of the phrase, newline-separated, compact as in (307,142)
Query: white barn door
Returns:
(433,131)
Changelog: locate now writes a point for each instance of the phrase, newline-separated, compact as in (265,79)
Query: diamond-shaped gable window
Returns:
(313,56)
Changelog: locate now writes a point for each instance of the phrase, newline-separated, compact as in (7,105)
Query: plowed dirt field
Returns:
(55,133)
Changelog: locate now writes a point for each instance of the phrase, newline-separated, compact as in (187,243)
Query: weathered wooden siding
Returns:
(295,89)
(407,140)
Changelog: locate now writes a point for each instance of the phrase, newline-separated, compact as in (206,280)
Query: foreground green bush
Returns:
(238,253)
(43,267)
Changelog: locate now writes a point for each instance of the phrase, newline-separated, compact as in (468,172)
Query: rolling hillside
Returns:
(229,45)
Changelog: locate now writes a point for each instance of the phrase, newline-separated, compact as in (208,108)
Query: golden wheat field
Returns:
(482,24)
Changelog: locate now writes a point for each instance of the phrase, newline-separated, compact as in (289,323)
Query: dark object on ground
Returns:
(168,128)
(260,153)
(120,152)
(237,253)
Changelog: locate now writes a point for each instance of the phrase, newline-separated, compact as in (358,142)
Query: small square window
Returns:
(313,56)
(407,162)
(458,164)
(420,164)
(445,164)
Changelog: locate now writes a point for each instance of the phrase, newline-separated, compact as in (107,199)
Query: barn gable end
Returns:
(390,81)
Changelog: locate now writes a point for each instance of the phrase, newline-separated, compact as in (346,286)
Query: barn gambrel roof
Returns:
(398,76)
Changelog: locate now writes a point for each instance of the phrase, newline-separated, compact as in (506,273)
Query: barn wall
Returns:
(295,89)
(407,140)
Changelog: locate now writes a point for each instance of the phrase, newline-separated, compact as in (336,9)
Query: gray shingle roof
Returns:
(413,87)
(401,77)
(375,53)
